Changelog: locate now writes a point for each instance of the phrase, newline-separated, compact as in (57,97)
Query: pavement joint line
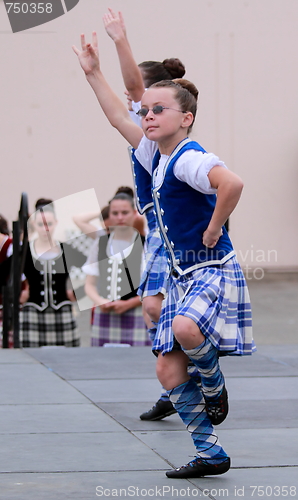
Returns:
(104,379)
(80,471)
(278,361)
(282,466)
(132,433)
(51,433)
(135,470)
(16,363)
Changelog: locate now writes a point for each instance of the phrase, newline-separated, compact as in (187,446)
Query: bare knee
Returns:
(152,306)
(171,369)
(187,332)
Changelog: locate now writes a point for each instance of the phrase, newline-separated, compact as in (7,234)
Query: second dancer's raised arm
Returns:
(131,73)
(110,103)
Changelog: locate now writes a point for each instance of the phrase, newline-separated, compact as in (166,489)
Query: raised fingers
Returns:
(83,41)
(94,39)
(112,13)
(75,49)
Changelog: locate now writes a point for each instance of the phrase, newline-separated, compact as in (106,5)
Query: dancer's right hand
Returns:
(88,56)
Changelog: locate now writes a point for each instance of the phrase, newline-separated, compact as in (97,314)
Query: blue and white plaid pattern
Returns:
(155,278)
(205,358)
(217,299)
(189,402)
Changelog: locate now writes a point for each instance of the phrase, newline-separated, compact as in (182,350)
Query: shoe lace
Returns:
(216,406)
(192,463)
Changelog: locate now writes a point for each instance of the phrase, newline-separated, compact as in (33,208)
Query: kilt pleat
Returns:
(155,278)
(217,300)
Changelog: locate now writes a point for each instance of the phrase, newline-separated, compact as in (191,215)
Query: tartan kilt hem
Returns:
(127,328)
(49,327)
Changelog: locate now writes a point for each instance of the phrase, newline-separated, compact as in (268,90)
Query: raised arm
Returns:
(83,221)
(132,76)
(112,106)
(229,187)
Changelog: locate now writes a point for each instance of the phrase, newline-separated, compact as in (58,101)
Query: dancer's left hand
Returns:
(210,238)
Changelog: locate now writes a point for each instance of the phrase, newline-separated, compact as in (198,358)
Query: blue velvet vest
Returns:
(142,184)
(183,215)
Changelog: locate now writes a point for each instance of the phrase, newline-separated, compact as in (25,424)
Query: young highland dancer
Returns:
(155,279)
(207,310)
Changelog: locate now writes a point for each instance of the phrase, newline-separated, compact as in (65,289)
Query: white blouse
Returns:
(192,167)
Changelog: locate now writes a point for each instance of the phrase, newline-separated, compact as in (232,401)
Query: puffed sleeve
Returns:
(145,153)
(193,168)
(133,114)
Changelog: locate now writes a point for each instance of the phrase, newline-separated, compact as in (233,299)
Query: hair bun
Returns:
(186,84)
(175,67)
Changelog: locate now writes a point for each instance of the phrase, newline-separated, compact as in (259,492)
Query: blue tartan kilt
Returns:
(217,300)
(155,278)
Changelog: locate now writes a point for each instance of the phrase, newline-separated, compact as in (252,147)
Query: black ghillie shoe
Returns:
(199,468)
(218,408)
(160,410)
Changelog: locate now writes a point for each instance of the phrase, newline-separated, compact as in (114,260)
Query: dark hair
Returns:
(154,71)
(46,204)
(186,93)
(4,225)
(105,212)
(41,202)
(125,189)
(123,196)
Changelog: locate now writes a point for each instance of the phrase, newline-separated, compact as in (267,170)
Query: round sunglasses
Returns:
(156,110)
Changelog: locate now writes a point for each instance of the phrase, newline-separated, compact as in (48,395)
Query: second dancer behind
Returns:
(155,278)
